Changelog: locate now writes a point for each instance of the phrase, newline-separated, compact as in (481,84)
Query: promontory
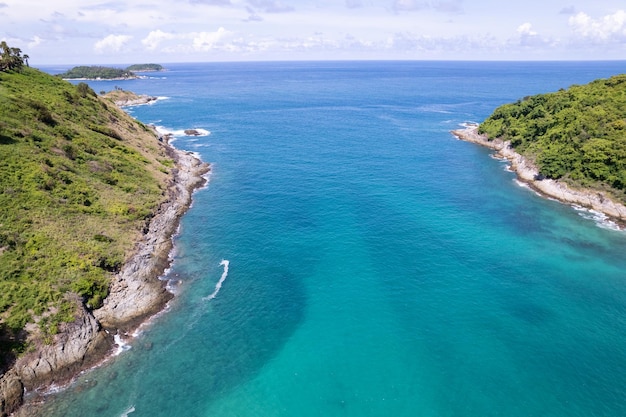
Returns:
(569,145)
(90,199)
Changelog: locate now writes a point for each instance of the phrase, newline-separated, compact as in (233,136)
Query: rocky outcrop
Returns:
(529,174)
(139,100)
(123,98)
(11,393)
(136,293)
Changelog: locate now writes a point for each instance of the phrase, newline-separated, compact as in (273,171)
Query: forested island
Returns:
(90,198)
(145,67)
(575,136)
(96,72)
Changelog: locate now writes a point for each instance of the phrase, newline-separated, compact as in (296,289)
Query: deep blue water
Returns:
(378,266)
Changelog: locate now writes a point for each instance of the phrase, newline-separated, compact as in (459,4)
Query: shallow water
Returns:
(351,257)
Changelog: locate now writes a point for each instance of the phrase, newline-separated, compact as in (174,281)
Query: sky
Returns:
(93,32)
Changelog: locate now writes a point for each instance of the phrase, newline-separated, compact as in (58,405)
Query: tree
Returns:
(11,58)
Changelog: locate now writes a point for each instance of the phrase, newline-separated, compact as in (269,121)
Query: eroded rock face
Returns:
(79,344)
(11,393)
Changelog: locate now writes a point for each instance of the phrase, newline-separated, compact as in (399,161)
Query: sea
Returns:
(350,257)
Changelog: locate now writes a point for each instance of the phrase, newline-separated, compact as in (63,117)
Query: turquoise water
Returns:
(377,266)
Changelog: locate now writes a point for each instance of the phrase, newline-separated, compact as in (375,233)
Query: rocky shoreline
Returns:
(136,294)
(529,174)
(123,98)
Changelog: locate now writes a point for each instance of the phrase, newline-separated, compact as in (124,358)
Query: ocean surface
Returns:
(350,257)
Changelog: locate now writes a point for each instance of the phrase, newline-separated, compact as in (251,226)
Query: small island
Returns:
(97,73)
(145,68)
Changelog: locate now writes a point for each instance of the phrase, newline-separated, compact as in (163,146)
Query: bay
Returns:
(376,265)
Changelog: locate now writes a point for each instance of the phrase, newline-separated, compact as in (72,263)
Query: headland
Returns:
(528,173)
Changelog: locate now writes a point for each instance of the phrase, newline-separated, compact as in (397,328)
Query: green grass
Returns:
(79,179)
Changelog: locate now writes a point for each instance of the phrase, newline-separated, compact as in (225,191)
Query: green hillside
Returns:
(79,179)
(577,135)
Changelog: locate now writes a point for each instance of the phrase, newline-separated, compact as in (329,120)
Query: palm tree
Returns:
(11,58)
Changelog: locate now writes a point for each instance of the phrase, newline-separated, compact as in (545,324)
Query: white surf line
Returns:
(129,410)
(224,263)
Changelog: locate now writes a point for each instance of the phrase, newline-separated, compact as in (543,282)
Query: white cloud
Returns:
(112,43)
(526,29)
(608,28)
(186,41)
(35,42)
(205,41)
(154,39)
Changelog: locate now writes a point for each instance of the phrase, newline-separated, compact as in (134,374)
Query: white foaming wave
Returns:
(601,219)
(468,124)
(129,410)
(122,346)
(181,132)
(218,286)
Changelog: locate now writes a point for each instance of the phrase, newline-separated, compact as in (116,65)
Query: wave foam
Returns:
(601,219)
(122,346)
(129,410)
(181,132)
(218,286)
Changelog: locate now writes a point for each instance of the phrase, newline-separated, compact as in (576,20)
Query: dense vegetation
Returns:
(145,67)
(11,59)
(95,72)
(79,179)
(577,135)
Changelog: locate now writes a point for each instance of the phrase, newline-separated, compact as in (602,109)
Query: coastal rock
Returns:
(139,100)
(123,98)
(11,393)
(78,344)
(529,174)
(135,292)
(192,132)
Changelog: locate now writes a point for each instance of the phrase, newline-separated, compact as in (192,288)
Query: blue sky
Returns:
(122,31)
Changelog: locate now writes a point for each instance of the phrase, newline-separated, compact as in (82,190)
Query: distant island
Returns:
(95,72)
(145,67)
(570,144)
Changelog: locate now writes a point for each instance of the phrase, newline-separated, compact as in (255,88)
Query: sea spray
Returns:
(218,286)
(122,346)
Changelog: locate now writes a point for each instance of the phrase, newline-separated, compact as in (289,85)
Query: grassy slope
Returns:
(79,179)
(577,135)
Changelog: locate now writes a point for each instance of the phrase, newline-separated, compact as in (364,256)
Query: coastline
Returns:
(528,174)
(136,295)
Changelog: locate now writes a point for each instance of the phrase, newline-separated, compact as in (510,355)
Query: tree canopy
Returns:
(577,135)
(11,59)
